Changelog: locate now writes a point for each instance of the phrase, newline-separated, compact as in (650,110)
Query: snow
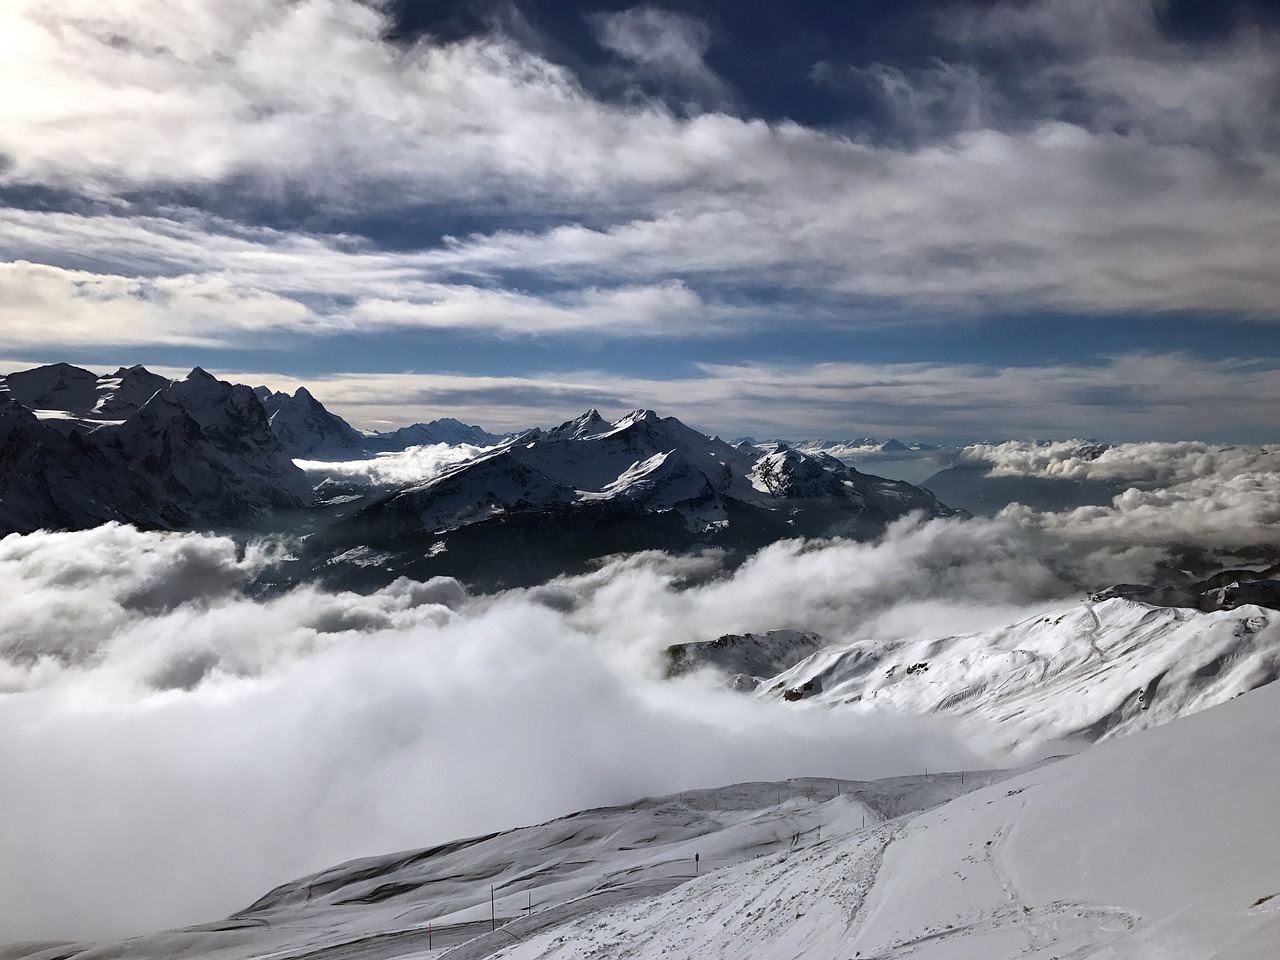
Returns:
(1082,669)
(1158,845)
(1121,852)
(652,463)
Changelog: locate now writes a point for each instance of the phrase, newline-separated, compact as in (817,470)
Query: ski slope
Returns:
(1163,844)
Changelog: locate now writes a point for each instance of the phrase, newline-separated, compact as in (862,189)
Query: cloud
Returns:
(208,281)
(177,742)
(664,45)
(1232,521)
(1125,172)
(1144,395)
(175,746)
(393,469)
(1161,464)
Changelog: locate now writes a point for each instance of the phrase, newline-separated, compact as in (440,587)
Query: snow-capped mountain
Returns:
(74,398)
(444,430)
(1090,669)
(549,501)
(856,447)
(1156,845)
(134,447)
(307,430)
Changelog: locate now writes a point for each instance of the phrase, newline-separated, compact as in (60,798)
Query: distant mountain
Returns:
(857,447)
(551,501)
(309,431)
(445,430)
(77,450)
(74,398)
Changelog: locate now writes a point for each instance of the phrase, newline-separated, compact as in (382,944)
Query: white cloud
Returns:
(1162,464)
(166,724)
(1143,395)
(47,306)
(158,716)
(393,469)
(664,45)
(1141,174)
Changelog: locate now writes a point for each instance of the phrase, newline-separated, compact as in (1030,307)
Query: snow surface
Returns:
(1090,669)
(1159,845)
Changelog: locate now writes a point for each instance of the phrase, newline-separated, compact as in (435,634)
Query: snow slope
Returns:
(1159,845)
(542,875)
(1089,669)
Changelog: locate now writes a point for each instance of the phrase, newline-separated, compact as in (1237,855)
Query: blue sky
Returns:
(948,221)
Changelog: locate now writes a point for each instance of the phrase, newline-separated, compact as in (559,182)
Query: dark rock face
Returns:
(137,448)
(309,431)
(1203,596)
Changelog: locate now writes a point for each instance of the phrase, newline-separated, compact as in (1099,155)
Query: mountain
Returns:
(133,447)
(74,398)
(445,430)
(52,481)
(307,430)
(1161,844)
(1092,669)
(551,501)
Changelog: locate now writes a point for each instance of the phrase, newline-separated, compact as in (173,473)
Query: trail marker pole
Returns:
(529,911)
(493,914)
(428,936)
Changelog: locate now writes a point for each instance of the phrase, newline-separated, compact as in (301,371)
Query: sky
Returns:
(946,221)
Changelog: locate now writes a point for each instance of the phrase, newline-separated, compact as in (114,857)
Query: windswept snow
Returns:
(1159,845)
(1162,844)
(1091,669)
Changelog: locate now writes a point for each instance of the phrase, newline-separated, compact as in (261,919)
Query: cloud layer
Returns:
(1131,396)
(159,716)
(1125,171)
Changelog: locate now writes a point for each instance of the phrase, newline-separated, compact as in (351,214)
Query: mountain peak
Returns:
(200,374)
(590,424)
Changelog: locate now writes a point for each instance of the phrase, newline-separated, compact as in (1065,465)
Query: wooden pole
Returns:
(493,914)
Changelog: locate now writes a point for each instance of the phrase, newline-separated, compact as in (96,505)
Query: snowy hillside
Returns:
(1122,852)
(1086,669)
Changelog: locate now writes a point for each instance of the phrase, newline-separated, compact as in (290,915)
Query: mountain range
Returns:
(552,501)
(78,449)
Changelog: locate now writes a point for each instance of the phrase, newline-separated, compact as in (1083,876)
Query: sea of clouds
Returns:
(176,741)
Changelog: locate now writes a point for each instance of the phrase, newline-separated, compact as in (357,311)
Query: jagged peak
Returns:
(588,424)
(200,374)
